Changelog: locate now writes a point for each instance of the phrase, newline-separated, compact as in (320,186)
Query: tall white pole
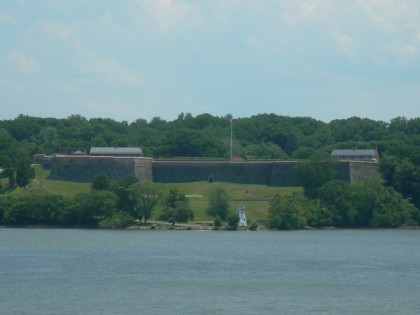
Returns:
(231,138)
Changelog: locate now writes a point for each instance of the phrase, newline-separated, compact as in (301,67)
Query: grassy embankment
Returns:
(255,198)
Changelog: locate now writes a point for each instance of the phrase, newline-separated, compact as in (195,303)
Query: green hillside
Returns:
(255,198)
(41,185)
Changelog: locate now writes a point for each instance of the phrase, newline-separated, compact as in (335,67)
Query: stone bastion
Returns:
(83,168)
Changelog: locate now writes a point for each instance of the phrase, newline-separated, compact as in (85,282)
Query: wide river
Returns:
(76,271)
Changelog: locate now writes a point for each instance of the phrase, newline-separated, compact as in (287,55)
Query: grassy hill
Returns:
(41,185)
(255,198)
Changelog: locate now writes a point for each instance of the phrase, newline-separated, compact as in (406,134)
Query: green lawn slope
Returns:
(255,198)
(41,185)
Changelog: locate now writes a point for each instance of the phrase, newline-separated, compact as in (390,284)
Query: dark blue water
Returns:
(59,271)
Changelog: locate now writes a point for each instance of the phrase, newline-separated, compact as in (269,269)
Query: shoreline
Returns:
(182,227)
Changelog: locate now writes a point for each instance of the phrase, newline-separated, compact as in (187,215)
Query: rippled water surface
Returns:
(60,271)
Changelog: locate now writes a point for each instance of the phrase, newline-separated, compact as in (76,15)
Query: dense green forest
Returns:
(263,136)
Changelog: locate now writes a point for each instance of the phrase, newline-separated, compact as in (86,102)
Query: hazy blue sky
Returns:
(132,59)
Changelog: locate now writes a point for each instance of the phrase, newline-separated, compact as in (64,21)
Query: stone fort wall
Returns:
(265,172)
(84,168)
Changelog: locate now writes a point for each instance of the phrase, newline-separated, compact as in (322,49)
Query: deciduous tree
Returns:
(145,196)
(24,174)
(218,203)
(311,175)
(288,212)
(101,181)
(177,208)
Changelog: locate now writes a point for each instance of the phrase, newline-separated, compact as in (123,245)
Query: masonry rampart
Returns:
(264,172)
(224,171)
(84,168)
(283,174)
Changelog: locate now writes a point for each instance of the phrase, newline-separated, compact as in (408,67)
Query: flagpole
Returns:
(231,138)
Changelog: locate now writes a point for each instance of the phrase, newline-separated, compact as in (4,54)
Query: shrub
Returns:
(253,226)
(233,220)
(217,222)
(118,220)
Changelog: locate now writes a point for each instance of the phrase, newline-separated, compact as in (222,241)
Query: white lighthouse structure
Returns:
(240,210)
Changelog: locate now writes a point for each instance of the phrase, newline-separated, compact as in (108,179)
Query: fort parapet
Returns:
(262,172)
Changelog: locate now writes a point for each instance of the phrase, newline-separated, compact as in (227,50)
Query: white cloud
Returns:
(10,85)
(111,72)
(171,13)
(21,4)
(380,61)
(405,49)
(405,53)
(380,14)
(311,8)
(391,16)
(100,51)
(344,44)
(56,29)
(107,21)
(252,40)
(23,64)
(397,27)
(7,19)
(292,13)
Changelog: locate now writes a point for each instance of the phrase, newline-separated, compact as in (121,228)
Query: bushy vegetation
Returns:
(259,136)
(366,204)
(50,210)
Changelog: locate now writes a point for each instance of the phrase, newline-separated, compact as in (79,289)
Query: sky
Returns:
(131,59)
